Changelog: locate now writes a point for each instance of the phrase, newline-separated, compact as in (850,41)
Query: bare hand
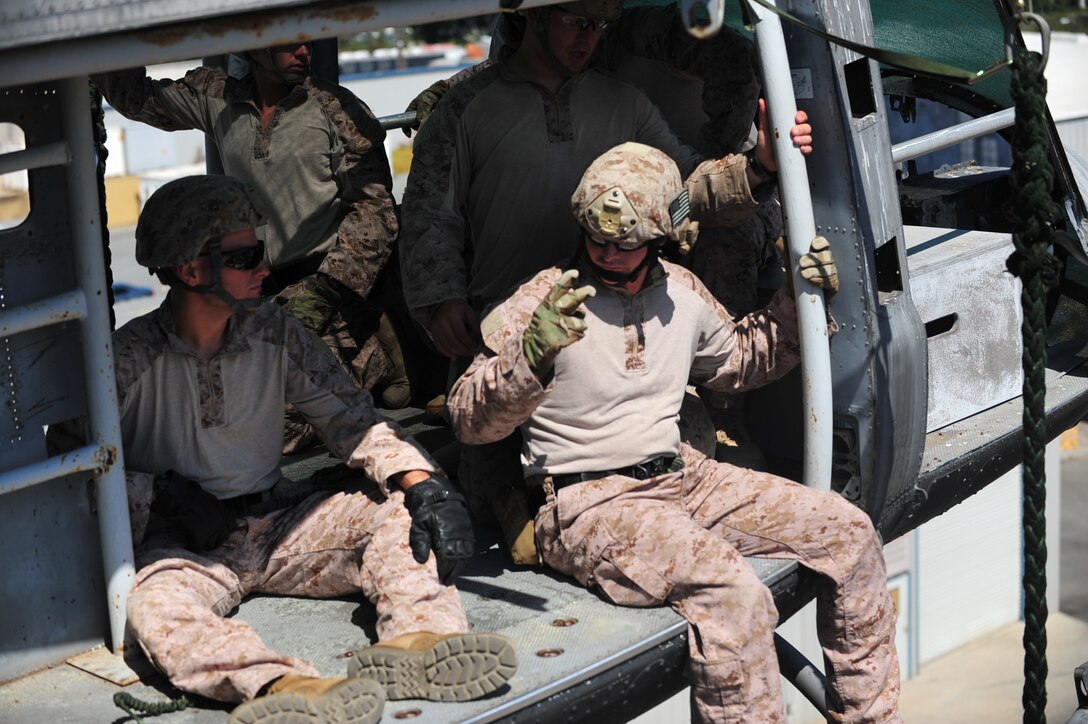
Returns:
(455,328)
(801,134)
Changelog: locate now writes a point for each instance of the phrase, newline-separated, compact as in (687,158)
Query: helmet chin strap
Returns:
(216,287)
(615,278)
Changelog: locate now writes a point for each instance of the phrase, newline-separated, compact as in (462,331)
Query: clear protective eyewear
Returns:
(604,243)
(582,23)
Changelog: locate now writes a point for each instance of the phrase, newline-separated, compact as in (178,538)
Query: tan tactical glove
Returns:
(424,103)
(817,266)
(556,323)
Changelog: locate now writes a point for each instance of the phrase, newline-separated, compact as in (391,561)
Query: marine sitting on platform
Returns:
(202,383)
(594,378)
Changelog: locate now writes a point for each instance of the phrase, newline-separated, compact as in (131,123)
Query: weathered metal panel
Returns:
(52,600)
(972,305)
(42,22)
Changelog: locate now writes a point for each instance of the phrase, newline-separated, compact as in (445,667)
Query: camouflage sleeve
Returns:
(719,192)
(750,352)
(344,415)
(466,73)
(726,63)
(170,105)
(499,391)
(369,226)
(432,241)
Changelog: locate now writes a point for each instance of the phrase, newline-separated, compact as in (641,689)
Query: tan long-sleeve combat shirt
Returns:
(219,421)
(614,397)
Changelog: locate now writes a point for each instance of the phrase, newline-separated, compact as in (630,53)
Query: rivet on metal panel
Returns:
(564,622)
(407,714)
(549,653)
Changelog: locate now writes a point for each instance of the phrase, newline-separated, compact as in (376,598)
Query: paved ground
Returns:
(983,680)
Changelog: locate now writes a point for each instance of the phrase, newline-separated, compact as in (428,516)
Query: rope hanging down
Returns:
(1033,211)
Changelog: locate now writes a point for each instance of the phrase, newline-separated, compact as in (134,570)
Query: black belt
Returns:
(239,503)
(642,471)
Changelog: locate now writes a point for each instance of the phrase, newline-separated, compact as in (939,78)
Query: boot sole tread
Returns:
(457,669)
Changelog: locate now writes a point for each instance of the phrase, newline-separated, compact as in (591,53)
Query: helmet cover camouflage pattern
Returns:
(624,195)
(185,214)
(607,10)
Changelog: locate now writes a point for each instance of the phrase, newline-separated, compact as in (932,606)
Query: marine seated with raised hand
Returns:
(594,377)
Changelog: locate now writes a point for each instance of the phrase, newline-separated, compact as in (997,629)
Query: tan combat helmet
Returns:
(181,217)
(632,195)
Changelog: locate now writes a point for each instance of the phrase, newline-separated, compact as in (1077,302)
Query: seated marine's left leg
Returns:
(359,541)
(764,515)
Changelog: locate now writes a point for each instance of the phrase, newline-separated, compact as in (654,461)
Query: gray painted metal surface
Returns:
(53,592)
(143,39)
(971,305)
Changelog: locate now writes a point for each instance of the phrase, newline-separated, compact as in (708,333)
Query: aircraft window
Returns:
(926,116)
(14,186)
(859,88)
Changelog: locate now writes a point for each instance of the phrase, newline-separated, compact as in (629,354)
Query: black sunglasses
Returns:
(247,258)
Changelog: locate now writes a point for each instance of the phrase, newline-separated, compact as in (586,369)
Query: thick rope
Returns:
(1033,211)
(136,708)
(98,120)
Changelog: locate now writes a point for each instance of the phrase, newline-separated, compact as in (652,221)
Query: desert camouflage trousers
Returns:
(329,545)
(681,538)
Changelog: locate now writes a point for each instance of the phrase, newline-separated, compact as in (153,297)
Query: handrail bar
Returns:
(89,458)
(50,154)
(793,186)
(68,307)
(952,135)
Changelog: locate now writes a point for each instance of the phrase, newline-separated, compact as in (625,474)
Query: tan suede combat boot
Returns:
(454,667)
(306,700)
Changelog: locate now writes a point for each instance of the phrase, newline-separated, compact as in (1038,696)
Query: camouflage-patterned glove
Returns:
(440,523)
(424,103)
(818,266)
(315,304)
(556,323)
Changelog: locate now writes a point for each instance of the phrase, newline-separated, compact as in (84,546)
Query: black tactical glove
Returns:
(205,521)
(440,523)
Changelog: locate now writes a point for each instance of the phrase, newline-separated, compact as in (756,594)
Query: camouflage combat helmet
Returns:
(182,216)
(607,10)
(630,195)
